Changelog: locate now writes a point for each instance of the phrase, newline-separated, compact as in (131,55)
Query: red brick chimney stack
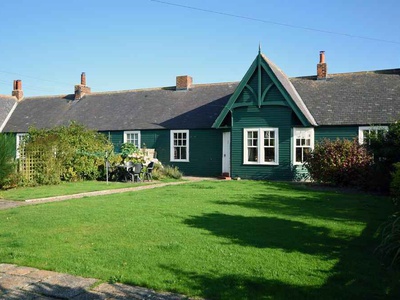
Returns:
(183,83)
(322,68)
(82,89)
(17,91)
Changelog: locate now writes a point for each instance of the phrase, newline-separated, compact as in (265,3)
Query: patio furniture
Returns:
(147,174)
(136,171)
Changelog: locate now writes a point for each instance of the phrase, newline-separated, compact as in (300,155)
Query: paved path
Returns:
(24,283)
(5,204)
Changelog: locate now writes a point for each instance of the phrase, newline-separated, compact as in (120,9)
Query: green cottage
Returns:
(258,128)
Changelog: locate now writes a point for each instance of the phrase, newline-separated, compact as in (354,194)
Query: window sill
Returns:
(180,160)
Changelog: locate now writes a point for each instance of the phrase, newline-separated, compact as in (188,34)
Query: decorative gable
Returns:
(264,84)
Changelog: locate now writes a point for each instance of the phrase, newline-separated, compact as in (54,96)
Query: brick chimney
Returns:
(183,83)
(322,68)
(82,89)
(17,91)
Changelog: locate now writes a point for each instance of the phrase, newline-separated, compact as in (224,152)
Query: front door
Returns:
(226,153)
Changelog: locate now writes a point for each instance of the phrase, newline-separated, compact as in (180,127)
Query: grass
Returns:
(213,239)
(65,188)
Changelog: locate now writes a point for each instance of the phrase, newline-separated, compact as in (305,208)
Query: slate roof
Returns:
(360,98)
(285,81)
(159,108)
(6,105)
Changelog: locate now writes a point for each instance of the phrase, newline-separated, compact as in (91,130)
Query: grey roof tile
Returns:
(157,108)
(360,98)
(6,105)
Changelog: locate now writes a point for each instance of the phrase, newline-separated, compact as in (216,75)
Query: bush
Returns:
(7,163)
(340,162)
(160,172)
(67,153)
(395,184)
(172,172)
(386,151)
(390,245)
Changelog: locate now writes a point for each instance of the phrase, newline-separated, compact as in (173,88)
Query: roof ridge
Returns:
(393,71)
(7,96)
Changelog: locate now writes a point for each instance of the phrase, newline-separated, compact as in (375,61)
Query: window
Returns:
(180,145)
(132,137)
(365,132)
(20,139)
(303,140)
(261,146)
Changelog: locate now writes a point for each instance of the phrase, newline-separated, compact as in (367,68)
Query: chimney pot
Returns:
(321,57)
(183,82)
(322,67)
(17,91)
(83,78)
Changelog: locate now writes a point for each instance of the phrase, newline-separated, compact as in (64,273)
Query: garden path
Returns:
(17,282)
(6,204)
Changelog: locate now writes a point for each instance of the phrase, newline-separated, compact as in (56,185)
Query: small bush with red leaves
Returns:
(339,162)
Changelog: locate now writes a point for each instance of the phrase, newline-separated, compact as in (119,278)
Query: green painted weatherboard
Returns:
(267,116)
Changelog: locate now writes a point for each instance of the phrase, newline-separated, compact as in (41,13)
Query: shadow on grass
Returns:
(323,205)
(358,274)
(238,287)
(269,232)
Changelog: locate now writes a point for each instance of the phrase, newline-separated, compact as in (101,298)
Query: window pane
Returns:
(269,154)
(183,153)
(272,134)
(252,154)
(297,142)
(299,157)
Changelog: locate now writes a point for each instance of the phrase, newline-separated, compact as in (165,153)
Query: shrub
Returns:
(172,172)
(160,172)
(67,153)
(390,245)
(395,184)
(7,164)
(340,162)
(386,151)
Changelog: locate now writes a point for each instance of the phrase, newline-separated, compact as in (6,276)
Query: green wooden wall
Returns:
(334,132)
(266,116)
(205,149)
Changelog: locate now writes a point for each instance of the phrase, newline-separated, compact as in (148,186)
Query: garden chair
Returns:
(147,174)
(128,170)
(136,172)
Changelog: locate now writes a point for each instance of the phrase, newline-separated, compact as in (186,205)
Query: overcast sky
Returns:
(123,44)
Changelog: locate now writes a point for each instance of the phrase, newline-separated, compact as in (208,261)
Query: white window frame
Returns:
(361,130)
(172,146)
(302,133)
(260,146)
(18,141)
(132,132)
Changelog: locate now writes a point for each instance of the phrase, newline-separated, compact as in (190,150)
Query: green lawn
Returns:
(65,188)
(213,239)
